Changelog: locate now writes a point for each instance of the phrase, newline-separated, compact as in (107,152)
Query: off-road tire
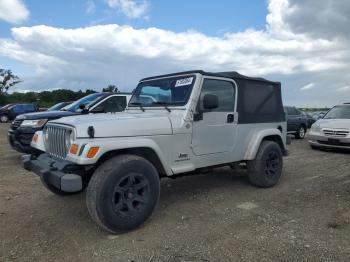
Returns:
(266,169)
(4,119)
(122,193)
(300,134)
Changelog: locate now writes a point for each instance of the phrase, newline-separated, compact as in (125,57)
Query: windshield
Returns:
(168,91)
(6,106)
(57,106)
(338,112)
(86,100)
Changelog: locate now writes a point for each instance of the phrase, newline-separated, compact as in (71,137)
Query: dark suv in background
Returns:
(297,122)
(10,111)
(24,126)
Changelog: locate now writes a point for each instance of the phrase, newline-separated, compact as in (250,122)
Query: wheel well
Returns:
(276,139)
(144,152)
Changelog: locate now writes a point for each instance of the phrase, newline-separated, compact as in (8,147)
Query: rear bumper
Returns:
(58,173)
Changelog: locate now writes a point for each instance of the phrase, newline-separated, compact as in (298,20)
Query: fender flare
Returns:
(254,144)
(120,144)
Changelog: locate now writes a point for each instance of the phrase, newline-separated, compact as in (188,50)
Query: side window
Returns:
(294,111)
(223,89)
(114,104)
(28,108)
(297,112)
(18,109)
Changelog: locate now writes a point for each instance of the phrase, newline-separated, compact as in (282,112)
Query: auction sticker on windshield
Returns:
(184,81)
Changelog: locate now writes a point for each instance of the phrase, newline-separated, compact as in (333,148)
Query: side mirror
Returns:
(210,101)
(82,106)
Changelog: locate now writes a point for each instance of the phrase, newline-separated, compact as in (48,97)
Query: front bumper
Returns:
(322,141)
(59,173)
(20,140)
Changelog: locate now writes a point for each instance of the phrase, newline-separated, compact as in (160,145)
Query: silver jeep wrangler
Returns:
(175,125)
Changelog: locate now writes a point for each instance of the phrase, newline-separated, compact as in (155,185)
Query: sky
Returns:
(88,44)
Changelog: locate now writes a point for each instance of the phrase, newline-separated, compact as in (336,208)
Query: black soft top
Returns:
(228,74)
(259,100)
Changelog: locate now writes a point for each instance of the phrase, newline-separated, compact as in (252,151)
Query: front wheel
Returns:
(266,169)
(4,119)
(301,132)
(123,192)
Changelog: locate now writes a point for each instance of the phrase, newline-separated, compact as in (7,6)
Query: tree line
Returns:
(40,99)
(44,98)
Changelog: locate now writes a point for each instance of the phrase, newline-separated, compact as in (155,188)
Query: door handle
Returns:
(230,118)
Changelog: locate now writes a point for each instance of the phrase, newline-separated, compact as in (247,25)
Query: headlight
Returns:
(70,137)
(315,128)
(20,117)
(34,123)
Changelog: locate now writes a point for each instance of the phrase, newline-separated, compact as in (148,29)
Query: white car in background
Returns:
(333,130)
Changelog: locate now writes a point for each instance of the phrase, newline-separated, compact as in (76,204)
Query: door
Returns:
(214,130)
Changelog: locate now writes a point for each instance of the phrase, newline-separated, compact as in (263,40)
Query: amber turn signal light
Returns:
(74,149)
(35,138)
(92,152)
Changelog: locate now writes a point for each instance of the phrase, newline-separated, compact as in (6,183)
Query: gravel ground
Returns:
(214,217)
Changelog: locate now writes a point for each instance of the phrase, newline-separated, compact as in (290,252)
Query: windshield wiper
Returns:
(138,104)
(162,104)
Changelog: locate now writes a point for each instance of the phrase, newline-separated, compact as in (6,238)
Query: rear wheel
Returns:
(301,132)
(266,169)
(123,192)
(4,119)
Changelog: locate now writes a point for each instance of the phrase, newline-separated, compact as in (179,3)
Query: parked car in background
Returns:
(296,122)
(310,119)
(11,111)
(24,126)
(333,130)
(59,106)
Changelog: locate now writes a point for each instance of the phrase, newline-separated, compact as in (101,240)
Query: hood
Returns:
(120,124)
(334,123)
(46,115)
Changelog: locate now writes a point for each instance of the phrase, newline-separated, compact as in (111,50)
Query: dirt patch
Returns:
(214,217)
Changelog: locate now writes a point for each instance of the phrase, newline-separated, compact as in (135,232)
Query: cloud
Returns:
(319,18)
(344,88)
(95,56)
(13,11)
(308,87)
(90,7)
(130,8)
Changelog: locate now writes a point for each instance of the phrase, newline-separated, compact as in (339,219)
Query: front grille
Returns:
(335,132)
(16,123)
(56,137)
